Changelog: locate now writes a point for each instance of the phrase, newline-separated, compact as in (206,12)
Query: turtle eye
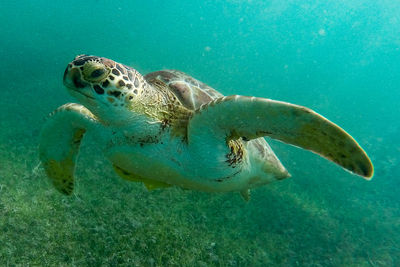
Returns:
(95,72)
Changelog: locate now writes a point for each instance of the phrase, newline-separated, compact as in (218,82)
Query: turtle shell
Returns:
(191,93)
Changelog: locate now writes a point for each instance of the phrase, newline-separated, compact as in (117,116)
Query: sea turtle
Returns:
(167,128)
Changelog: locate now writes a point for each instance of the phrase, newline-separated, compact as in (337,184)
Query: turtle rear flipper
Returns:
(148,183)
(59,144)
(233,117)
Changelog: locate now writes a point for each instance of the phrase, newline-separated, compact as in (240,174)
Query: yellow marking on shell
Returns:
(110,99)
(150,184)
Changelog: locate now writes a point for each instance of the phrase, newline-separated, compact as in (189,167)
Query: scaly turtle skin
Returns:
(167,128)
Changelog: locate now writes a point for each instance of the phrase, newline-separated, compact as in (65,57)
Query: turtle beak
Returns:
(76,86)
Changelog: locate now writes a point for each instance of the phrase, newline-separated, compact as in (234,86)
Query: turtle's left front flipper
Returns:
(233,117)
(59,143)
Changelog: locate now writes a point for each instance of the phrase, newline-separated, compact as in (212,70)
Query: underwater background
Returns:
(340,58)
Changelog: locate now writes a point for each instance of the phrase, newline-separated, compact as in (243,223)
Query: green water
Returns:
(340,58)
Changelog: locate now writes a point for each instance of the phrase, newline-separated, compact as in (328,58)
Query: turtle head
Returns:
(105,87)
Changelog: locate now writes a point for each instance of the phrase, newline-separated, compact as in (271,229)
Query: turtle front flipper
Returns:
(233,117)
(59,143)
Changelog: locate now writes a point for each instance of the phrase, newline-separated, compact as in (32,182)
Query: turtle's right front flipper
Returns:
(59,143)
(233,117)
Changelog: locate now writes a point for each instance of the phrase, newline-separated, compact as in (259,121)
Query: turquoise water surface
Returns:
(340,58)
